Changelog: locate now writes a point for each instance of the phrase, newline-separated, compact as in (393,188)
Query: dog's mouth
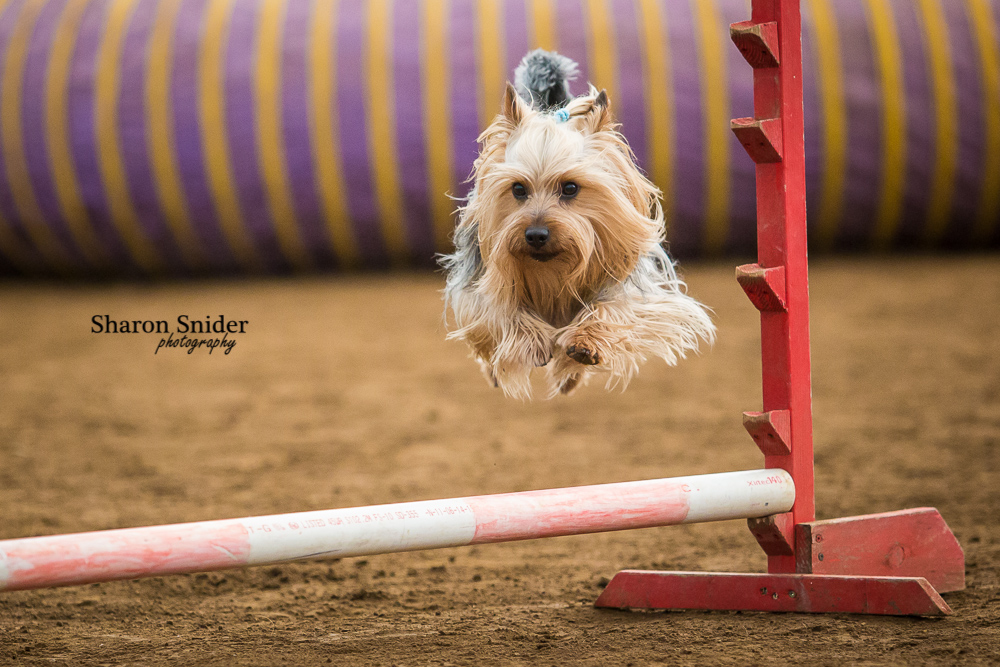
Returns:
(542,256)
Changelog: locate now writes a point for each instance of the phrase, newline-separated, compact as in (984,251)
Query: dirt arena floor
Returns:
(344,392)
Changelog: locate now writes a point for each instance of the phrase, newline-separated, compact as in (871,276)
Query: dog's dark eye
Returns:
(569,190)
(520,192)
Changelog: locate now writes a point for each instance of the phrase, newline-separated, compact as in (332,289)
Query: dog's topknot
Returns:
(542,79)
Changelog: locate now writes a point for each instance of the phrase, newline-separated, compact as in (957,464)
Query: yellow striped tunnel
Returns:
(183,137)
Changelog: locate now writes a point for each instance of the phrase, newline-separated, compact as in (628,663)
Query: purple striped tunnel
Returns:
(185,137)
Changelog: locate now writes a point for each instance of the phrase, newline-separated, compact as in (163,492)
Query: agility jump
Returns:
(891,563)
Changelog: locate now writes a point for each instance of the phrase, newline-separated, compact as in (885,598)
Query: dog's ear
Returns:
(598,116)
(602,99)
(513,107)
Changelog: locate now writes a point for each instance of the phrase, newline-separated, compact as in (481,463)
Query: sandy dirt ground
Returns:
(344,392)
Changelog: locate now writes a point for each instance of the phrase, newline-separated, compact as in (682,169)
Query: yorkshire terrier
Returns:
(558,256)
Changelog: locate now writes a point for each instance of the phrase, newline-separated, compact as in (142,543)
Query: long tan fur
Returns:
(608,294)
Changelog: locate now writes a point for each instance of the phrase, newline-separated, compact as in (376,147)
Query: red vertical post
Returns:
(774,138)
(875,564)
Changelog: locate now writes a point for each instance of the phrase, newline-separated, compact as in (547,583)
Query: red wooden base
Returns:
(891,563)
(906,543)
(802,593)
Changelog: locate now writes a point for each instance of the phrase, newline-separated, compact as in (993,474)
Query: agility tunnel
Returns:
(184,137)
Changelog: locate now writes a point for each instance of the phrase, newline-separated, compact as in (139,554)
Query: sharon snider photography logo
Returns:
(211,333)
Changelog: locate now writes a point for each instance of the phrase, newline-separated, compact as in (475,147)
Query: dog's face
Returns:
(561,205)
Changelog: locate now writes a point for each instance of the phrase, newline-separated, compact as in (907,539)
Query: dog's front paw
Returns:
(583,354)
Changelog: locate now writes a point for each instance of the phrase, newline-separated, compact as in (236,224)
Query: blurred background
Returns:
(192,137)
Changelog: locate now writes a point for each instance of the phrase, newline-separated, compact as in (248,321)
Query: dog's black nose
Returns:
(536,236)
